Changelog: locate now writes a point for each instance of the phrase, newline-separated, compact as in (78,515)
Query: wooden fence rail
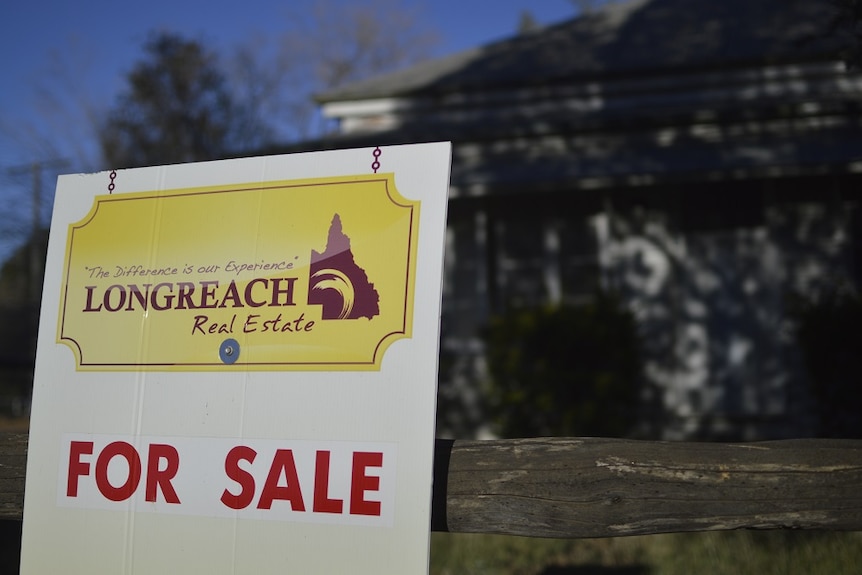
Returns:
(590,487)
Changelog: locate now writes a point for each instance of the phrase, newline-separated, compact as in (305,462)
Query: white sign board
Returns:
(237,365)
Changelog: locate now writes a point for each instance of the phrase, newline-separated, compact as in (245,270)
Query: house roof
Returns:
(625,38)
(642,92)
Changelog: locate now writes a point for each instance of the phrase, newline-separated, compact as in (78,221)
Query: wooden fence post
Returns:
(590,487)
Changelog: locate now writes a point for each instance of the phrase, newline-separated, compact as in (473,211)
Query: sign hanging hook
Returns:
(376,164)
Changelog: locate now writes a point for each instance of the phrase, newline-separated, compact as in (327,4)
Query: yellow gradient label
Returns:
(292,275)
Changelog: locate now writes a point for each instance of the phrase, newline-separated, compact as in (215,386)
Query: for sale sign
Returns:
(237,365)
(346,482)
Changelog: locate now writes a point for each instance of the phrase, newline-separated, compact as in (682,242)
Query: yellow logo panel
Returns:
(294,275)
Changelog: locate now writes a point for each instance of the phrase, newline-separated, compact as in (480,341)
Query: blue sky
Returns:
(93,42)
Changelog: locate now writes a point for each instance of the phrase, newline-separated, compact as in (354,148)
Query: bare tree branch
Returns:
(327,44)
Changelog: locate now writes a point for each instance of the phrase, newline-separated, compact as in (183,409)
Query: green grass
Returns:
(713,553)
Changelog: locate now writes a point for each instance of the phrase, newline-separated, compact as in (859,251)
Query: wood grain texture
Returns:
(591,487)
(13,470)
(569,487)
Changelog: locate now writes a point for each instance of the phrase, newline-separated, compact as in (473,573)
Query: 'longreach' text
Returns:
(258,292)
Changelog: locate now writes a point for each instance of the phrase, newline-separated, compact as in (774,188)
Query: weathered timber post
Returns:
(13,468)
(591,487)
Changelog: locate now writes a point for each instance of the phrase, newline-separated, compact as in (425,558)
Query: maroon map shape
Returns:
(337,283)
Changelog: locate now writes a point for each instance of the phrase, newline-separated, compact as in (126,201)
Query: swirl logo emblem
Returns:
(337,283)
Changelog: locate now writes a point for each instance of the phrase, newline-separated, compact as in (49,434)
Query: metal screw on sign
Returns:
(111,185)
(228,351)
(376,164)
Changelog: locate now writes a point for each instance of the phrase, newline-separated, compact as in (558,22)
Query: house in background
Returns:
(703,159)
